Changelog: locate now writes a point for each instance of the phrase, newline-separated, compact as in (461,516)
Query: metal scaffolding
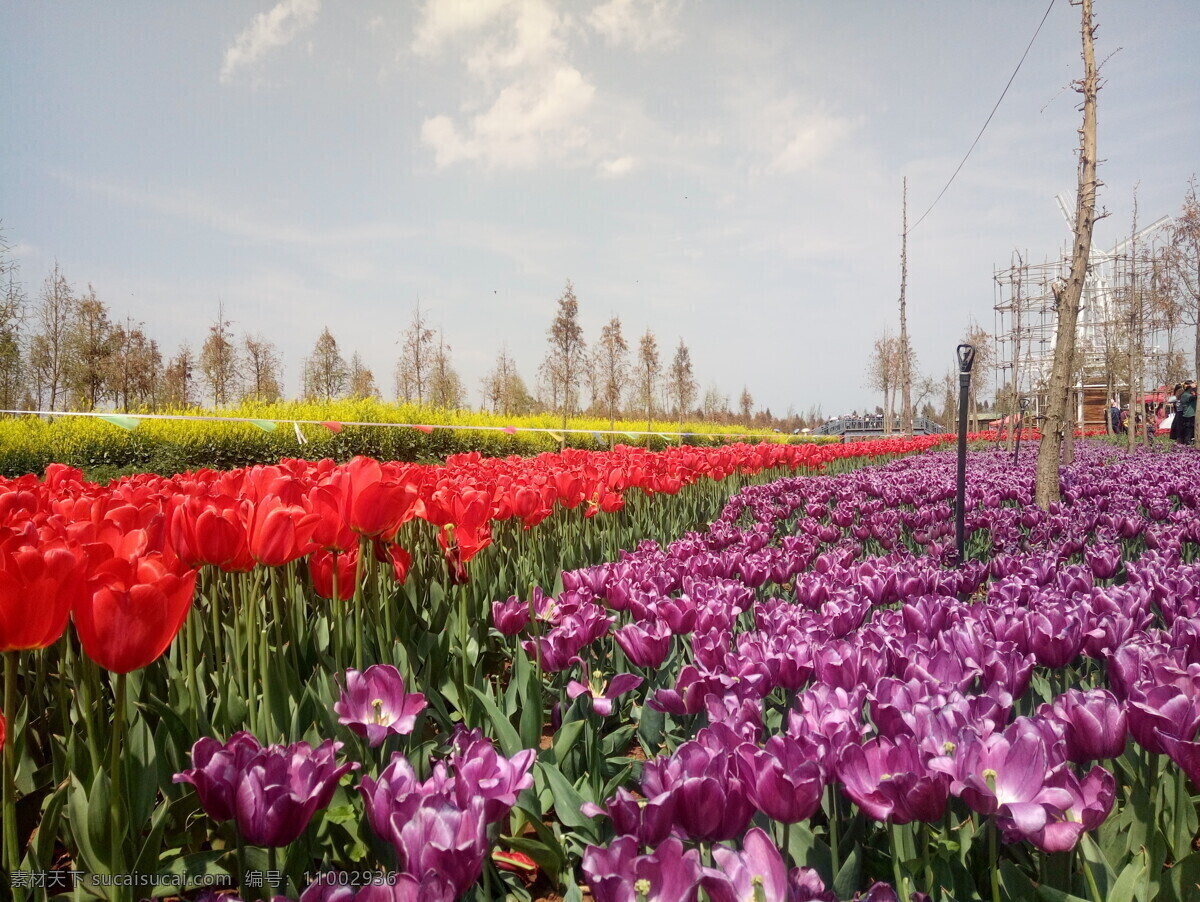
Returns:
(1027,322)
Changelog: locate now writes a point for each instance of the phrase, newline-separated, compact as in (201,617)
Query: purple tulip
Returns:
(619,874)
(1008,775)
(217,769)
(512,616)
(1095,725)
(271,792)
(646,646)
(283,787)
(1165,710)
(601,693)
(888,781)
(374,704)
(784,782)
(1091,802)
(442,838)
(649,820)
(757,872)
(480,772)
(712,801)
(397,790)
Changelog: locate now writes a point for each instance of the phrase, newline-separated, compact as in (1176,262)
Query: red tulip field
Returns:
(756,672)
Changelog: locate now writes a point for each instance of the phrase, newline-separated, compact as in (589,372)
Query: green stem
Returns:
(833,829)
(272,869)
(897,856)
(10,750)
(993,864)
(1091,880)
(116,768)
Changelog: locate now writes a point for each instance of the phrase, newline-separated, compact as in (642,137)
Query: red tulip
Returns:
(210,531)
(278,532)
(38,585)
(381,498)
(134,610)
(320,568)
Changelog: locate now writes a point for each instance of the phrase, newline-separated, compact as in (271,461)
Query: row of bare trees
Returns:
(609,374)
(62,350)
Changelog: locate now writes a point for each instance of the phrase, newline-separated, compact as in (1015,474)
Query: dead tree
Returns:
(906,410)
(1066,297)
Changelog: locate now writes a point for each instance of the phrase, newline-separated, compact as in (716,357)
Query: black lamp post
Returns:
(1024,403)
(966,359)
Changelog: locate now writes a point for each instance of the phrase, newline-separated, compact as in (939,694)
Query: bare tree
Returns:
(905,349)
(716,404)
(413,370)
(48,348)
(445,386)
(89,347)
(362,380)
(682,381)
(504,390)
(981,340)
(611,365)
(1066,297)
(649,372)
(1184,256)
(883,374)
(566,360)
(263,370)
(746,406)
(12,311)
(220,367)
(135,368)
(325,372)
(178,382)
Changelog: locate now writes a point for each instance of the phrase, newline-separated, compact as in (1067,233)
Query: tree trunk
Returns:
(906,411)
(1067,297)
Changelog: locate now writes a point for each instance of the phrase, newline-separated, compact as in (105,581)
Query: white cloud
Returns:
(444,20)
(616,168)
(808,140)
(275,28)
(639,24)
(531,121)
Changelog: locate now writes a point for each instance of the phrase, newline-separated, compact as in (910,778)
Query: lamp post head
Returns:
(966,358)
(1024,404)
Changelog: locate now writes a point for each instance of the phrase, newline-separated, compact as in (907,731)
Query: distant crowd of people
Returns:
(1176,415)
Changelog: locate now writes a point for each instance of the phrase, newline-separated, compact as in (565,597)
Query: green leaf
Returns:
(565,739)
(77,811)
(1127,883)
(99,819)
(850,874)
(508,737)
(567,801)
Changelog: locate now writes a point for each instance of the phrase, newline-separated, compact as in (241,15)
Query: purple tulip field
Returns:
(808,701)
(828,707)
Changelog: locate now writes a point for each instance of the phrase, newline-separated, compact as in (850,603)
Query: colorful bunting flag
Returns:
(423,428)
(332,426)
(119,420)
(265,425)
(511,430)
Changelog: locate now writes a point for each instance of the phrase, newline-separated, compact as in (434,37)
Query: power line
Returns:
(1045,16)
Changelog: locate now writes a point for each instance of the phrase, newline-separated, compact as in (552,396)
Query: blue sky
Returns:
(729,174)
